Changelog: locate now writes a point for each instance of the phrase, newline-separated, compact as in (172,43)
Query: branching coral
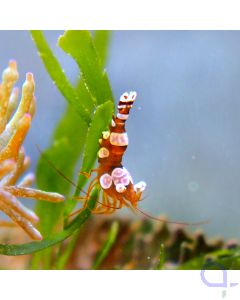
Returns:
(13,160)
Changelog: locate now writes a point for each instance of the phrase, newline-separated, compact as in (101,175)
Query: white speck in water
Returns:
(139,108)
(193,157)
(193,186)
(149,257)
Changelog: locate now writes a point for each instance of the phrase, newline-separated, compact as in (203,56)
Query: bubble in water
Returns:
(193,186)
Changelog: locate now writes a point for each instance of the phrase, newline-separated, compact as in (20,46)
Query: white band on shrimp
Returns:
(106,181)
(122,106)
(122,116)
(140,187)
(119,139)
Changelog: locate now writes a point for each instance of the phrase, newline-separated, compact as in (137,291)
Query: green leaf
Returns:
(70,134)
(100,122)
(64,256)
(58,76)
(75,225)
(89,63)
(101,42)
(228,258)
(64,152)
(161,257)
(85,96)
(102,254)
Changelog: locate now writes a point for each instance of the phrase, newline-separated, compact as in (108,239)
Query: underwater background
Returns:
(184,128)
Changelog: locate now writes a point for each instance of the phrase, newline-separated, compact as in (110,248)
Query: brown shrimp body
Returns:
(116,182)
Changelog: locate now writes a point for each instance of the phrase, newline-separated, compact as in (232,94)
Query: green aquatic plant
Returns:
(87,115)
(90,108)
(103,252)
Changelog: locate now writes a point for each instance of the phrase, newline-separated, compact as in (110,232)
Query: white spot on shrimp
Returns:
(106,181)
(140,187)
(121,176)
(119,139)
(106,134)
(113,123)
(120,188)
(103,152)
(117,172)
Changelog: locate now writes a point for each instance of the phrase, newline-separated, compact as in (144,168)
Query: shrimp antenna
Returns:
(77,211)
(165,221)
(170,222)
(59,171)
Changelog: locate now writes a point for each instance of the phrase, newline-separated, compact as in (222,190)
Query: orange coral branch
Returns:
(13,161)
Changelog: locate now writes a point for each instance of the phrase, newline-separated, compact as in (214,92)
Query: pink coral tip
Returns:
(12,64)
(27,116)
(15,91)
(29,76)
